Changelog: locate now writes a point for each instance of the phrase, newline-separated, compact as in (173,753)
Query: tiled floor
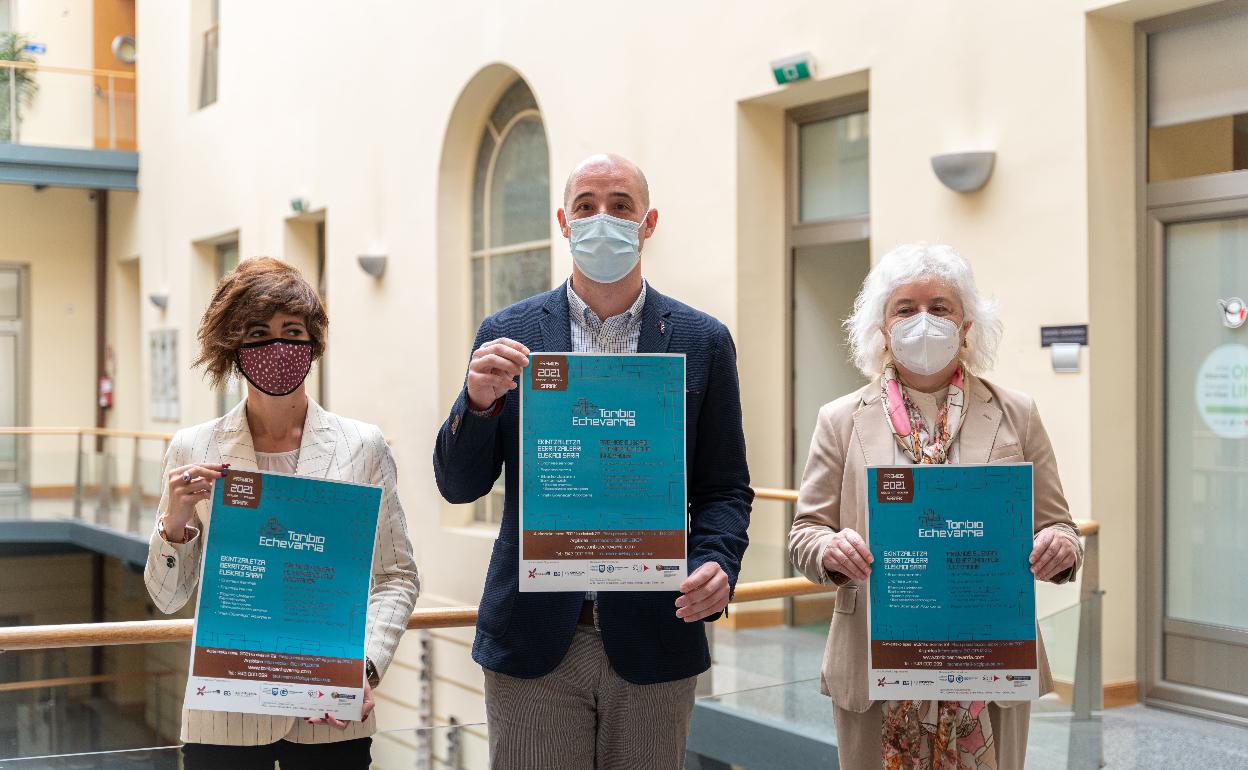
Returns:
(1145,737)
(774,673)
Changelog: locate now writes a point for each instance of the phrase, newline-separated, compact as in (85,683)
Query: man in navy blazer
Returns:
(573,679)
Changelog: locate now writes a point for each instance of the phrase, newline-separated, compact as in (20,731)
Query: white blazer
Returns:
(333,447)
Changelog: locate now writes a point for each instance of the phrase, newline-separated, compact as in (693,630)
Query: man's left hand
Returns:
(342,724)
(1052,555)
(703,593)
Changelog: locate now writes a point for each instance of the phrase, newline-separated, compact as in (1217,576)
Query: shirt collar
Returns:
(581,312)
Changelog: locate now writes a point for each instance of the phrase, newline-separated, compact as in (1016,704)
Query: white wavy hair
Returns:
(905,264)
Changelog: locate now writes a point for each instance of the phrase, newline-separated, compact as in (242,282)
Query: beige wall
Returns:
(52,232)
(384,144)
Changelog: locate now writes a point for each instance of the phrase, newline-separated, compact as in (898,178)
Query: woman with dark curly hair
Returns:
(267,323)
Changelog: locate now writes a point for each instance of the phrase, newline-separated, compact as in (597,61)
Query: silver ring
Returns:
(186,477)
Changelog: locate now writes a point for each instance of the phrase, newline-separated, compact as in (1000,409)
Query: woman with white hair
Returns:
(922,333)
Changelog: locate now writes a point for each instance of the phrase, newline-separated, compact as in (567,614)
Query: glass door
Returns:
(1202,657)
(12,371)
(828,213)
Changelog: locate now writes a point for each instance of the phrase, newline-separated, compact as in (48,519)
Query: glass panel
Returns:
(208,75)
(514,277)
(1212,146)
(1206,440)
(8,406)
(833,167)
(826,278)
(227,258)
(520,187)
(163,347)
(514,100)
(484,153)
(53,108)
(478,292)
(489,509)
(9,307)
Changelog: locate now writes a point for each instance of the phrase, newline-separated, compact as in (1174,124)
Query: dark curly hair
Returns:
(253,293)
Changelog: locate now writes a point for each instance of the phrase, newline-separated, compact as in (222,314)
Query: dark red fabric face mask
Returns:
(276,367)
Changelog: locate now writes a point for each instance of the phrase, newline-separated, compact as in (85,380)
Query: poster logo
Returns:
(550,373)
(587,414)
(242,489)
(894,485)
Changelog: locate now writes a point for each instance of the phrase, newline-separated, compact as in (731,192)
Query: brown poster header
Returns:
(242,489)
(550,372)
(894,485)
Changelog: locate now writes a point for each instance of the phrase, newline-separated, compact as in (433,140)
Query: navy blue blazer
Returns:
(528,634)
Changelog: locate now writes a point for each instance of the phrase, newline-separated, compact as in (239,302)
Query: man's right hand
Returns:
(187,486)
(847,553)
(492,371)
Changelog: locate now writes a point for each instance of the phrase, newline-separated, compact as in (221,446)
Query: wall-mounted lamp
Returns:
(160,299)
(125,50)
(964,172)
(373,264)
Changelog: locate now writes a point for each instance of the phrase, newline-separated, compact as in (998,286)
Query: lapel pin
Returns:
(662,328)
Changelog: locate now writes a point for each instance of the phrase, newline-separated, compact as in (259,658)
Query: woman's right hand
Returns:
(847,553)
(187,486)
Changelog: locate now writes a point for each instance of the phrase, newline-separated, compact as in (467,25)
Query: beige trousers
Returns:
(583,716)
(858,736)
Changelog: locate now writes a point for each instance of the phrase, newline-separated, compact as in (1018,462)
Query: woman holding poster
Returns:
(921,332)
(267,324)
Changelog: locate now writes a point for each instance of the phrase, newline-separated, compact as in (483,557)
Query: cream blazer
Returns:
(333,447)
(1000,426)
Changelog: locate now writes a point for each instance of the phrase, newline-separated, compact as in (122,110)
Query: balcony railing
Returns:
(68,107)
(104,458)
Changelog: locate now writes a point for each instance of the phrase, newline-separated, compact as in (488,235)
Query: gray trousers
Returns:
(858,736)
(583,716)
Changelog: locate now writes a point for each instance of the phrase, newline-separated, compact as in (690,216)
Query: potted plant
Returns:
(19,80)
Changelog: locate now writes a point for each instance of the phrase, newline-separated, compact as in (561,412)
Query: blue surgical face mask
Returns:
(605,248)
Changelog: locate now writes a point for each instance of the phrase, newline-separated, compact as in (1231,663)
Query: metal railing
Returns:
(106,487)
(73,91)
(157,631)
(1085,692)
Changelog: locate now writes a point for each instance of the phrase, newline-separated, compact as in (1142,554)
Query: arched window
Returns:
(510,206)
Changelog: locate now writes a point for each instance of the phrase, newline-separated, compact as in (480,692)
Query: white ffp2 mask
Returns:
(924,343)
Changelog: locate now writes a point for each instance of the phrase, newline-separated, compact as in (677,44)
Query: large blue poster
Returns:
(283,597)
(953,599)
(602,472)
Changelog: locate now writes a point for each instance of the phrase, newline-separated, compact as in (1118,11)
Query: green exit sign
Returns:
(793,68)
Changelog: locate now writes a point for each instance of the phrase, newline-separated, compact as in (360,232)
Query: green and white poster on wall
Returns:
(1222,391)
